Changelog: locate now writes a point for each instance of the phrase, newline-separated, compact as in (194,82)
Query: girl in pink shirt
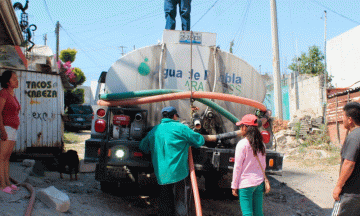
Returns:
(9,123)
(248,179)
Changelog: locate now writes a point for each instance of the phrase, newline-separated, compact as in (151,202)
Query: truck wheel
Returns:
(109,187)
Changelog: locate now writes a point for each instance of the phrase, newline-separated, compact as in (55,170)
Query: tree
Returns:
(68,55)
(79,77)
(75,76)
(76,96)
(310,63)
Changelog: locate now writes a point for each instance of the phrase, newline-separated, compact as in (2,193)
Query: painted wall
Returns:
(342,57)
(269,99)
(310,94)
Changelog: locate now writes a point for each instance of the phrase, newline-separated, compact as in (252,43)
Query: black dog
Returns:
(68,162)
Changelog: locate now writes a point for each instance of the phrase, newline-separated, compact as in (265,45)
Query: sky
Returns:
(101,31)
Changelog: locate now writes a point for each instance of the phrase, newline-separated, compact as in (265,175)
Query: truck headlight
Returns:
(120,153)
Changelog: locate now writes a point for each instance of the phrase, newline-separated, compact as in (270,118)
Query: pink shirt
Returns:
(247,172)
(10,113)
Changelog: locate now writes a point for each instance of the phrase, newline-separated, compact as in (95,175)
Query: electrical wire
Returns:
(242,26)
(231,5)
(95,62)
(130,11)
(48,12)
(336,12)
(205,13)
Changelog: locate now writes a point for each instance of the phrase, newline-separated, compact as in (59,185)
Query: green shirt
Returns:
(169,144)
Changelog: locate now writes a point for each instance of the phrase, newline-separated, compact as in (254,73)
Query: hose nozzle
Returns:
(197,121)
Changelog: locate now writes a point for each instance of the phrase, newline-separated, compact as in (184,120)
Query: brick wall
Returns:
(334,114)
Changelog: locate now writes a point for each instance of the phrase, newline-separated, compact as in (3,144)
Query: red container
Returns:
(123,120)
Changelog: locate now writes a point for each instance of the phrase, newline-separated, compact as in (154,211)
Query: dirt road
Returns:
(301,190)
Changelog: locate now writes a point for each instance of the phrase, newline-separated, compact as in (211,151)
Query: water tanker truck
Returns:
(211,90)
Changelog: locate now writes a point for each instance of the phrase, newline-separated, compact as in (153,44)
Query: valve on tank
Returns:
(121,125)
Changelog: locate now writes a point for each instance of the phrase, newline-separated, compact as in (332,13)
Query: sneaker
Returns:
(7,190)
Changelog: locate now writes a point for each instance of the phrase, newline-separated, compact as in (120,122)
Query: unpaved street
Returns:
(301,190)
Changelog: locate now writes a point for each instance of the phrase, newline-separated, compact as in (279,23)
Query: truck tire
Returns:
(109,187)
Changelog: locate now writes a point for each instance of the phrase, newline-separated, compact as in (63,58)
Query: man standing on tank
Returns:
(169,144)
(170,7)
(347,190)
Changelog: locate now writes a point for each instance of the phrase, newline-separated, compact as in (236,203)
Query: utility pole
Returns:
(325,73)
(45,39)
(296,74)
(57,32)
(276,62)
(122,50)
(259,69)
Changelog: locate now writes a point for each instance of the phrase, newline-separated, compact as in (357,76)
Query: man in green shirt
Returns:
(169,144)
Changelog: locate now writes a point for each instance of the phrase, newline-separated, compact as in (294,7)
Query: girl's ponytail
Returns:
(254,136)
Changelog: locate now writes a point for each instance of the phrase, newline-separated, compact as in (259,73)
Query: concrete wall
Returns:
(310,94)
(342,57)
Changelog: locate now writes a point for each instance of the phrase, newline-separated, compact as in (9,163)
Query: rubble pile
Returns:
(297,133)
(306,125)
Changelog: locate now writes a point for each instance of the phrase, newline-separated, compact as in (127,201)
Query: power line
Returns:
(117,14)
(242,26)
(95,62)
(205,13)
(226,9)
(336,12)
(48,12)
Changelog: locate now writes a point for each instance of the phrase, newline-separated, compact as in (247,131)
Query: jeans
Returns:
(176,199)
(251,200)
(347,205)
(170,7)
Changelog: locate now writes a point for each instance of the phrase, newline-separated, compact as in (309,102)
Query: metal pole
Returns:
(325,73)
(122,50)
(57,32)
(276,62)
(45,39)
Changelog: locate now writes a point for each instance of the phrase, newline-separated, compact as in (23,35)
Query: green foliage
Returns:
(80,77)
(297,128)
(319,139)
(310,63)
(76,96)
(231,46)
(68,55)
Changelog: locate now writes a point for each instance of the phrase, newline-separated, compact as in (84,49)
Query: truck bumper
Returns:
(210,159)
(116,160)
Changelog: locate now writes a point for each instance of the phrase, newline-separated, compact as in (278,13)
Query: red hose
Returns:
(32,196)
(194,184)
(184,95)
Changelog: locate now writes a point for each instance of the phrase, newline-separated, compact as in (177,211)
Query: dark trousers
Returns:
(347,205)
(176,199)
(170,7)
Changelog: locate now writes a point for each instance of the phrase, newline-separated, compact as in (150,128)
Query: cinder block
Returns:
(87,167)
(54,198)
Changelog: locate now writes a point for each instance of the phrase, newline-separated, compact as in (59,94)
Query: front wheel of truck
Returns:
(109,187)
